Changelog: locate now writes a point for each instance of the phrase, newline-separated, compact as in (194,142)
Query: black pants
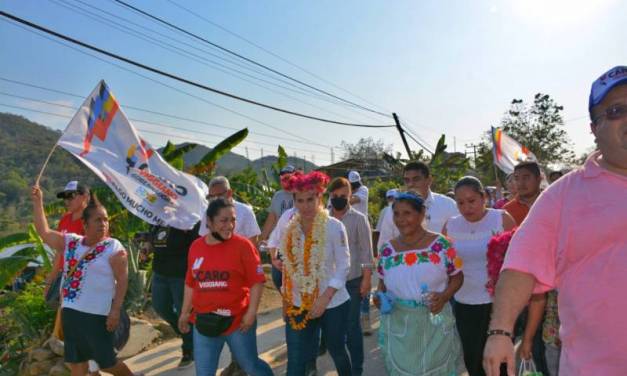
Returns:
(537,350)
(472,325)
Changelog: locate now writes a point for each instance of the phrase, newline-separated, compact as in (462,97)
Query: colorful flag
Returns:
(101,137)
(508,152)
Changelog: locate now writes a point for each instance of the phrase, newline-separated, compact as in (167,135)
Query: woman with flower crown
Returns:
(419,272)
(316,260)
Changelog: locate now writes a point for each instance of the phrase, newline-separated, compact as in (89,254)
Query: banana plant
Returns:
(207,164)
(33,251)
(174,155)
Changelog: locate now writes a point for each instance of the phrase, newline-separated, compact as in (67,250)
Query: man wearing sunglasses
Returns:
(75,196)
(574,241)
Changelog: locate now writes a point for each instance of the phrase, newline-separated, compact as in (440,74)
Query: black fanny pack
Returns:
(211,324)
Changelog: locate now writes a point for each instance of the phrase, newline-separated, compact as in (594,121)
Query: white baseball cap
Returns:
(353,177)
(391,193)
(72,187)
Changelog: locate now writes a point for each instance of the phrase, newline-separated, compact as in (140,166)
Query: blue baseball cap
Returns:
(609,80)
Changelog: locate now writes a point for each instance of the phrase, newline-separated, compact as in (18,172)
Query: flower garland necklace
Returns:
(304,266)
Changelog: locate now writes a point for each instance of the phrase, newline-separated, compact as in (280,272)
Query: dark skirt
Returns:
(87,337)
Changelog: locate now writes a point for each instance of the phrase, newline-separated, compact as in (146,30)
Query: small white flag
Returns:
(508,152)
(101,137)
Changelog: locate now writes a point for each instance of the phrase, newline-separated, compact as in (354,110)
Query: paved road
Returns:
(163,359)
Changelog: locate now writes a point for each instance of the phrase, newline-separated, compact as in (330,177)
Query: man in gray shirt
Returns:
(361,260)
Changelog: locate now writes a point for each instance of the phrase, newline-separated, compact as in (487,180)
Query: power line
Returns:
(286,60)
(180,79)
(308,141)
(155,123)
(244,58)
(82,97)
(223,58)
(190,55)
(143,129)
(275,55)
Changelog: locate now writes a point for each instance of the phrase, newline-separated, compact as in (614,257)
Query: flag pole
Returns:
(45,164)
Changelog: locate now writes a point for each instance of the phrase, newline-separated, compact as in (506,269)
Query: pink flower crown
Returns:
(299,182)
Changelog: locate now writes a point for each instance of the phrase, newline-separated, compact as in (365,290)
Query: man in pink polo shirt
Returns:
(575,241)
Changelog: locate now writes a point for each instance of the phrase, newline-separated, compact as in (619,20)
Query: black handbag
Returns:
(123,331)
(211,324)
(53,296)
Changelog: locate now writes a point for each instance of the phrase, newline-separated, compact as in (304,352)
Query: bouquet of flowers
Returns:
(497,247)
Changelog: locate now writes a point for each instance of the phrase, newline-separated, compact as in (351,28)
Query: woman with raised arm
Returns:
(95,279)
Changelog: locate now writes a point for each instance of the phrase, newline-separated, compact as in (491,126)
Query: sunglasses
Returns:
(615,112)
(70,196)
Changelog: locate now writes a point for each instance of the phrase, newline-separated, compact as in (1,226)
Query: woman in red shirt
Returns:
(223,288)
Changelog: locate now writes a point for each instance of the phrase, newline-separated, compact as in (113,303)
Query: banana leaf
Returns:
(174,156)
(167,150)
(14,239)
(11,266)
(207,163)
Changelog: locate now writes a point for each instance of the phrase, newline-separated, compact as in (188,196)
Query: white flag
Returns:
(101,136)
(508,152)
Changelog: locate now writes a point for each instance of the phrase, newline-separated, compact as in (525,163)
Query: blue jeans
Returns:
(302,345)
(365,305)
(167,298)
(243,348)
(355,339)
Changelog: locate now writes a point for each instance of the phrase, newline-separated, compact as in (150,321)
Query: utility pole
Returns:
(474,151)
(263,163)
(247,155)
(402,133)
(332,156)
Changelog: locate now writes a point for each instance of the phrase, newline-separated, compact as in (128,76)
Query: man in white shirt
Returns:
(359,200)
(390,195)
(417,177)
(245,224)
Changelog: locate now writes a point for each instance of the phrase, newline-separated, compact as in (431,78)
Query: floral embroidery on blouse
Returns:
(441,252)
(72,284)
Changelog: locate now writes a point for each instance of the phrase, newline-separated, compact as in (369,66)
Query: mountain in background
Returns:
(24,145)
(232,163)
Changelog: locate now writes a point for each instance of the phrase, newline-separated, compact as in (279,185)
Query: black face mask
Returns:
(355,186)
(217,236)
(339,203)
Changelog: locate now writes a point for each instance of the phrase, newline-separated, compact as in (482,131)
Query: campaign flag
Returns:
(101,136)
(508,152)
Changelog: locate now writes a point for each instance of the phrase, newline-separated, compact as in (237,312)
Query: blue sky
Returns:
(447,67)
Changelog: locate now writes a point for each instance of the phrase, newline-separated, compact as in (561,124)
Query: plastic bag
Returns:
(528,368)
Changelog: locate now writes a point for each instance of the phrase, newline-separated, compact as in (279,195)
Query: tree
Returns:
(540,127)
(366,148)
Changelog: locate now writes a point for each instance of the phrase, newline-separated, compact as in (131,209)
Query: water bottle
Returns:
(425,298)
(386,302)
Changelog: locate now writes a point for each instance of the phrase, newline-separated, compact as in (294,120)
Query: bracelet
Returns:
(500,332)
